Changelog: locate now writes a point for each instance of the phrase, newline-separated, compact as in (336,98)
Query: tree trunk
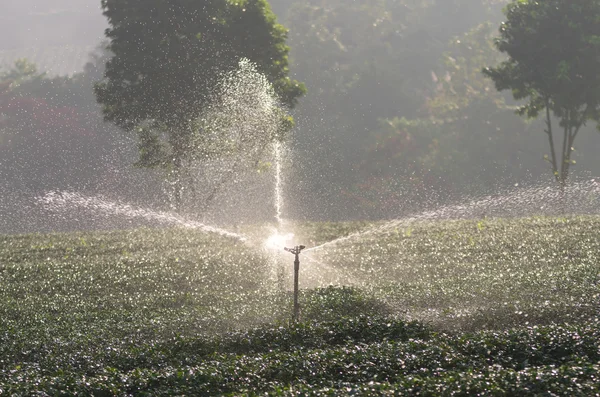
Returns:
(564,166)
(551,140)
(573,131)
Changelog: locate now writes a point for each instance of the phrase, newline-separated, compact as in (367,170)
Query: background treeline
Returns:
(398,116)
(53,138)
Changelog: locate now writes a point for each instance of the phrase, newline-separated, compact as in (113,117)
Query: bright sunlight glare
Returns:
(278,241)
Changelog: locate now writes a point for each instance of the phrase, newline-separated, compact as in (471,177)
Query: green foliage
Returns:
(550,51)
(168,59)
(371,64)
(333,303)
(178,312)
(551,47)
(456,276)
(466,122)
(22,71)
(557,359)
(369,60)
(315,334)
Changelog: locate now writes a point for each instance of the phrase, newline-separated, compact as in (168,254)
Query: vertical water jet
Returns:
(278,185)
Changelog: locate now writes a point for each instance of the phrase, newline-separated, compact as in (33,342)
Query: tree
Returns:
(552,48)
(169,56)
(48,130)
(365,61)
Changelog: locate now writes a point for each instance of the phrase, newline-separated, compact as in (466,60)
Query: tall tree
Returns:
(552,48)
(168,58)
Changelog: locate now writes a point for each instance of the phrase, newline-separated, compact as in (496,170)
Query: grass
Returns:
(494,306)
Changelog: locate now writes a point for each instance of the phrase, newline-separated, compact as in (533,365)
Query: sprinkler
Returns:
(296,251)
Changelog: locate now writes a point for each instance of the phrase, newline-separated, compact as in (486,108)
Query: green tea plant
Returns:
(504,307)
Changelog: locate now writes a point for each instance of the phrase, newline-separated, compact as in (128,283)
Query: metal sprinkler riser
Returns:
(296,252)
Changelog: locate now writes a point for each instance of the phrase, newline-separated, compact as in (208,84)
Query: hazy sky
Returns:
(38,23)
(57,35)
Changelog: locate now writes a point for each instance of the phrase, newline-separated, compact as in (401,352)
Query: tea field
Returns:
(488,307)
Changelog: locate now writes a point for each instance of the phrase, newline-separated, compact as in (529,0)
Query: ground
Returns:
(496,306)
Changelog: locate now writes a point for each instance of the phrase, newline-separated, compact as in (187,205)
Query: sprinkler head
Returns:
(296,250)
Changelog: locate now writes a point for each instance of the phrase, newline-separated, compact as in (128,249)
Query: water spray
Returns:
(296,251)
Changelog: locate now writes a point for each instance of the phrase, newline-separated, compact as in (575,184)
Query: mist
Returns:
(372,139)
(299,197)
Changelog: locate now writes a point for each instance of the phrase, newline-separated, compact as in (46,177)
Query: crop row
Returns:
(350,354)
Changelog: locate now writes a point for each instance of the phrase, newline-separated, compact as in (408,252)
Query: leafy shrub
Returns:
(176,312)
(393,359)
(332,303)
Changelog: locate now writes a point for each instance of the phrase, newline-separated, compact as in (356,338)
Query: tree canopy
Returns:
(552,48)
(168,58)
(399,116)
